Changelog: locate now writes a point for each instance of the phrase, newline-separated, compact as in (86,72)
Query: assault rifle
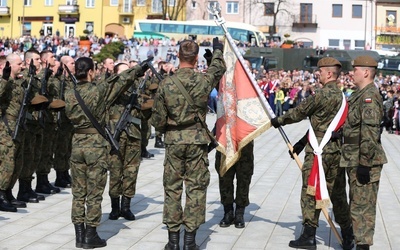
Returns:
(61,97)
(103,131)
(43,91)
(126,118)
(157,74)
(22,110)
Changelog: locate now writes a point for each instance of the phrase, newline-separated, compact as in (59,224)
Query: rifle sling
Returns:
(89,115)
(192,105)
(5,120)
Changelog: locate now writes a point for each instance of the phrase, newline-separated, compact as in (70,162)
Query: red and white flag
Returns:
(240,113)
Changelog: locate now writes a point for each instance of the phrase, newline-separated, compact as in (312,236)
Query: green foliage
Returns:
(289,42)
(111,50)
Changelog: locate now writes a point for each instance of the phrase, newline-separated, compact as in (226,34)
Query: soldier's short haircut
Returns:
(29,53)
(188,50)
(82,67)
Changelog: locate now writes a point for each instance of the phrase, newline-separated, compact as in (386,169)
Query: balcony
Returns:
(68,9)
(4,11)
(126,9)
(388,30)
(305,21)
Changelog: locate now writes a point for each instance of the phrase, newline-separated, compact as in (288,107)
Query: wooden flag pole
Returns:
(215,10)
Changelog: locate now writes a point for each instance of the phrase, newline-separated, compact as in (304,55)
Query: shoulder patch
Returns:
(368,100)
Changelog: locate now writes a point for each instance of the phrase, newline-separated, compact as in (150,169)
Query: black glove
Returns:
(60,70)
(208,56)
(217,44)
(275,122)
(363,174)
(107,74)
(145,66)
(299,146)
(6,71)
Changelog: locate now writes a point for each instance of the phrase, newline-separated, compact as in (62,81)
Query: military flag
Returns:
(240,113)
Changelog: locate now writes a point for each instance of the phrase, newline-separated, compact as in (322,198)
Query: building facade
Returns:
(74,17)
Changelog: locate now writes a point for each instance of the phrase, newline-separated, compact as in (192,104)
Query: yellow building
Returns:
(71,17)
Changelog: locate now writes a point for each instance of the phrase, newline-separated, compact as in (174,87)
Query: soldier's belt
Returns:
(11,118)
(352,140)
(86,131)
(114,117)
(182,127)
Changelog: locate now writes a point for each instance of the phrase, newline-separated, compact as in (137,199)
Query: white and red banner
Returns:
(240,113)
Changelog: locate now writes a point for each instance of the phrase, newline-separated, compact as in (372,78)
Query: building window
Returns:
(89,27)
(156,6)
(337,10)
(333,42)
(171,3)
(347,44)
(71,2)
(113,2)
(27,28)
(48,3)
(140,2)
(269,9)
(357,11)
(28,3)
(3,3)
(306,13)
(211,5)
(391,18)
(90,3)
(232,8)
(359,44)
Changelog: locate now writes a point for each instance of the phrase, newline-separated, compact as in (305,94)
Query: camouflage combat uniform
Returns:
(243,169)
(186,157)
(89,159)
(362,146)
(321,109)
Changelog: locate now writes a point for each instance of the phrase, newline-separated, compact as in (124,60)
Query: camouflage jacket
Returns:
(172,114)
(361,131)
(320,108)
(98,97)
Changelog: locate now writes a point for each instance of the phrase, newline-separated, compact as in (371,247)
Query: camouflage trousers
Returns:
(185,164)
(336,184)
(363,200)
(123,173)
(32,150)
(10,153)
(145,128)
(63,147)
(46,160)
(89,166)
(243,169)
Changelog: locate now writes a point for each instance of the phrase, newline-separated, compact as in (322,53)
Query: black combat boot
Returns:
(16,203)
(67,177)
(306,239)
(159,143)
(228,216)
(173,241)
(92,239)
(126,208)
(24,192)
(362,247)
(348,237)
(189,241)
(79,235)
(115,209)
(239,217)
(61,180)
(5,204)
(43,185)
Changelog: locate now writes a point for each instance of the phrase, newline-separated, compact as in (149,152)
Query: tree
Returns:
(274,11)
(172,8)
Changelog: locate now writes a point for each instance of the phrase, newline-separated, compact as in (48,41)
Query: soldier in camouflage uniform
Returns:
(89,159)
(125,167)
(43,185)
(63,144)
(10,102)
(362,152)
(243,170)
(321,108)
(32,149)
(186,157)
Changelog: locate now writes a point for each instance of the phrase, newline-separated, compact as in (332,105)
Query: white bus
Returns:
(200,30)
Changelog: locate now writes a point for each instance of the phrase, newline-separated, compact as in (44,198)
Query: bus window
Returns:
(239,34)
(196,29)
(172,28)
(150,27)
(216,30)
